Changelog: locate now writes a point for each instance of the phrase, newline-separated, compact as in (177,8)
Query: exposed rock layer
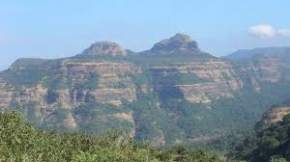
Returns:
(275,115)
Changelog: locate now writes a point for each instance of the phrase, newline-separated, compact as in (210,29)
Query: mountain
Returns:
(170,94)
(178,44)
(258,52)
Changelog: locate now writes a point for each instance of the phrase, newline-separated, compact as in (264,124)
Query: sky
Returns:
(61,28)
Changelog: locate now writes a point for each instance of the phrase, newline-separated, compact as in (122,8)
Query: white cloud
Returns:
(268,31)
(284,32)
(263,31)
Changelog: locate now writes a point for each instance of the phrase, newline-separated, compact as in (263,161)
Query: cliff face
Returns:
(110,81)
(6,92)
(272,116)
(275,115)
(264,66)
(267,69)
(106,88)
(201,81)
(75,83)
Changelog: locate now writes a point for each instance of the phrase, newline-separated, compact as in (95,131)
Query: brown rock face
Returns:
(263,65)
(105,48)
(180,43)
(105,82)
(70,122)
(27,95)
(267,69)
(207,92)
(215,79)
(6,94)
(275,115)
(112,84)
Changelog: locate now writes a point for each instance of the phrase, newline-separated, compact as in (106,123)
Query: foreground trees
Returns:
(270,144)
(19,141)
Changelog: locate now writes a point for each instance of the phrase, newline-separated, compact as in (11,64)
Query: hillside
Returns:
(270,142)
(173,93)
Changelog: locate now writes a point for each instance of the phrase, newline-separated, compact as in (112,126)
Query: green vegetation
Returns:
(25,75)
(154,59)
(54,82)
(21,142)
(29,72)
(271,144)
(148,59)
(184,79)
(91,83)
(99,118)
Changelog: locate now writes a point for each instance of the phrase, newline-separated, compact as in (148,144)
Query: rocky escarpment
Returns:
(76,83)
(110,81)
(6,92)
(170,93)
(263,65)
(178,44)
(208,92)
(201,81)
(274,115)
(266,69)
(72,82)
(69,83)
(104,48)
(200,78)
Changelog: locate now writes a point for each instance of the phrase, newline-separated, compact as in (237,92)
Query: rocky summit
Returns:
(105,48)
(173,93)
(178,44)
(274,115)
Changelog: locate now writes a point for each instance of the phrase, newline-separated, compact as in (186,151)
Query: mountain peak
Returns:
(181,37)
(179,43)
(105,48)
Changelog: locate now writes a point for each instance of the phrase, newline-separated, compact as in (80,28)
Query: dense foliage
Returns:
(271,144)
(21,142)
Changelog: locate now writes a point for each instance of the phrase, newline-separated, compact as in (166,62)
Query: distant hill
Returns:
(249,54)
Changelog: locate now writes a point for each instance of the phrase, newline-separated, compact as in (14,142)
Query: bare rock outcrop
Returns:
(105,48)
(178,44)
(214,79)
(275,115)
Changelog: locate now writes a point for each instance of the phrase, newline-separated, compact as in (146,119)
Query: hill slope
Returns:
(271,140)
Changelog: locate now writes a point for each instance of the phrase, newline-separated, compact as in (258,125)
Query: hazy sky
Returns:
(58,28)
